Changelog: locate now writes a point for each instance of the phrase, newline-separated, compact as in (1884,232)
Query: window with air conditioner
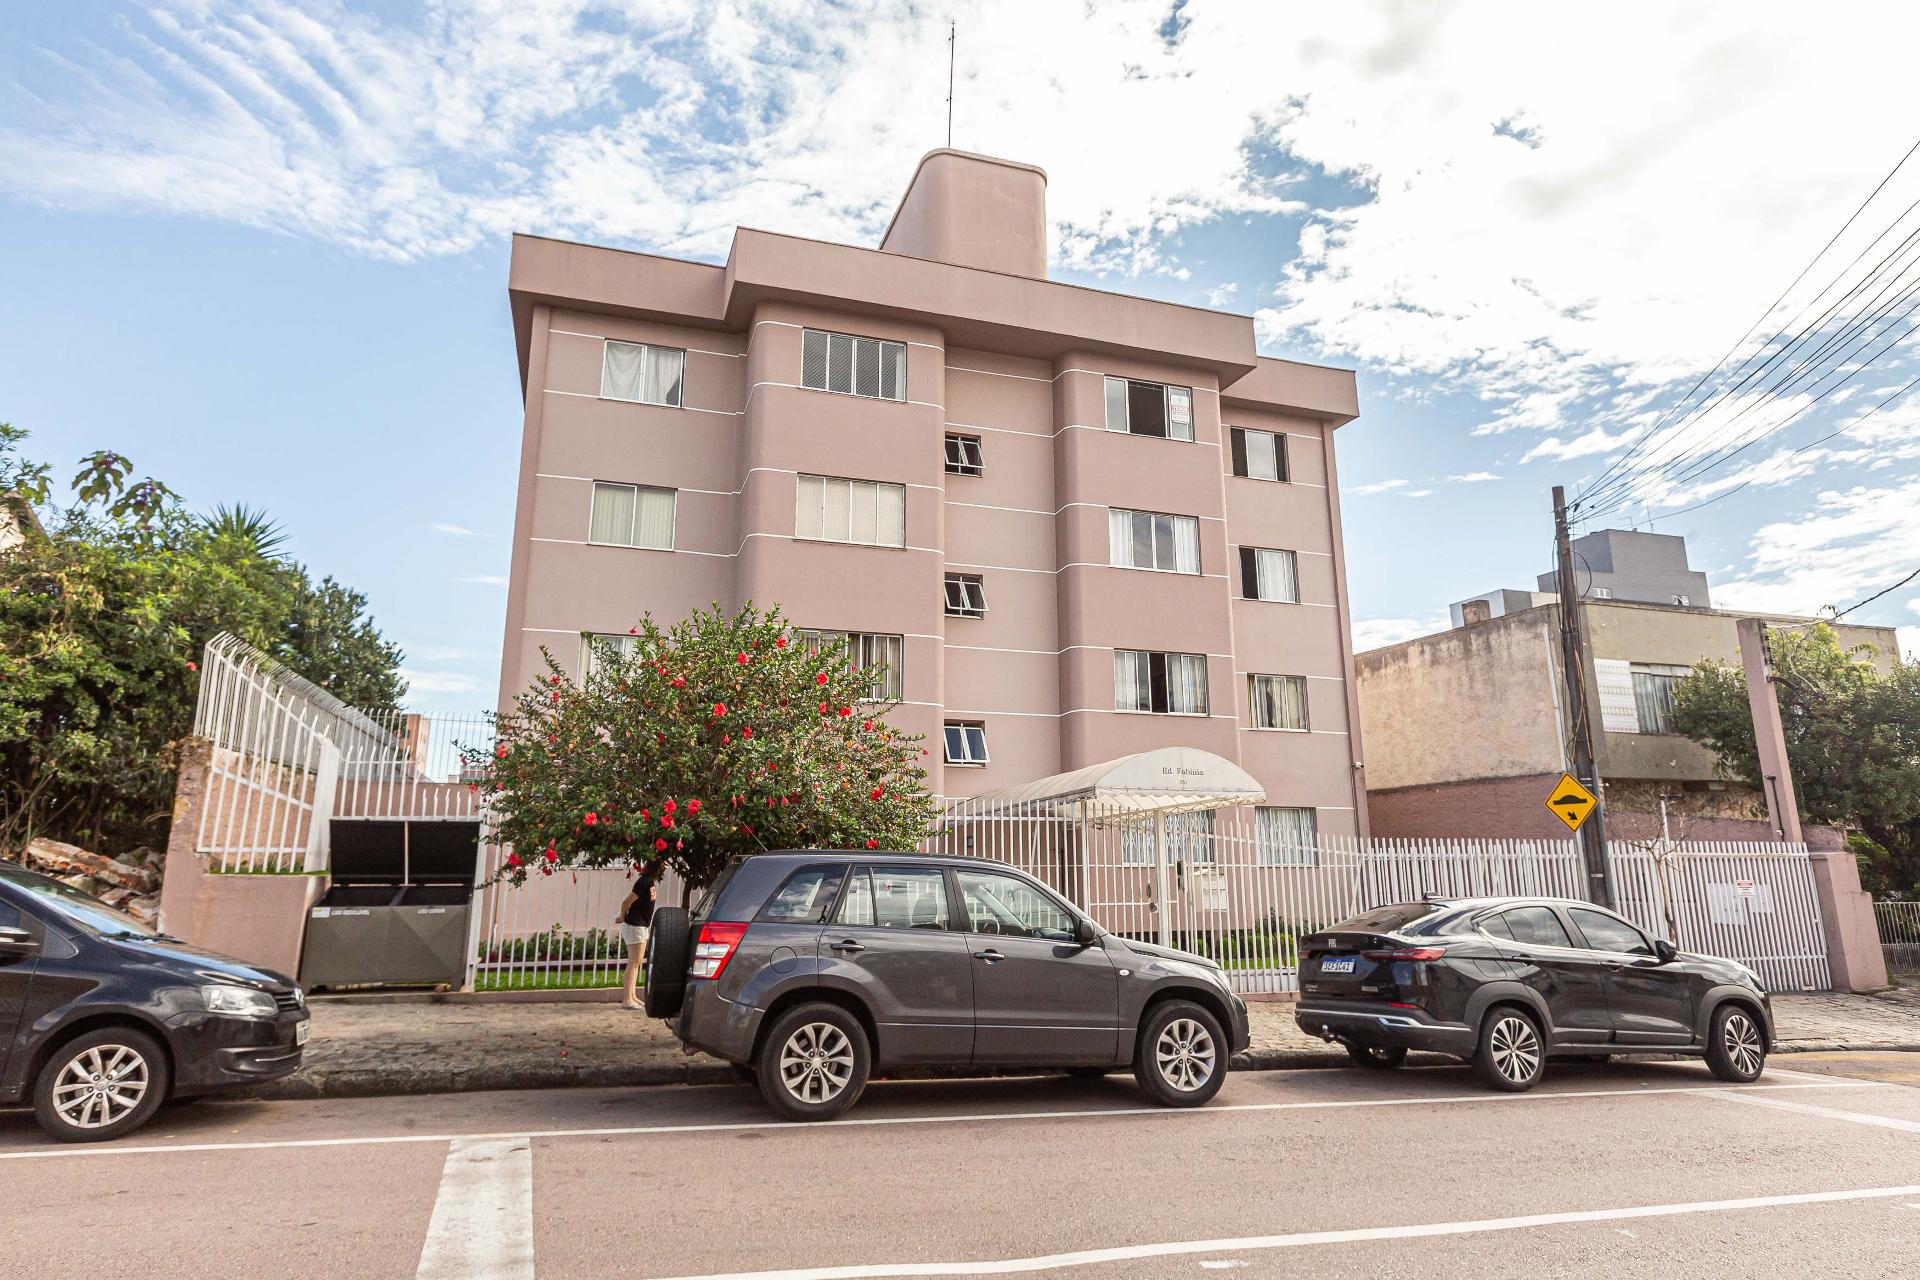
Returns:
(853,366)
(1153,540)
(1267,574)
(1258,455)
(831,509)
(1168,683)
(1149,409)
(880,656)
(966,596)
(1279,702)
(1286,837)
(963,455)
(965,740)
(642,373)
(630,515)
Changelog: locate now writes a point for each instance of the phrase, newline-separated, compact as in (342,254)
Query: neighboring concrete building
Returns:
(17,521)
(1074,524)
(1465,728)
(1624,564)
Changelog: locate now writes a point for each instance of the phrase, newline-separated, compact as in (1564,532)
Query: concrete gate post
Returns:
(1854,957)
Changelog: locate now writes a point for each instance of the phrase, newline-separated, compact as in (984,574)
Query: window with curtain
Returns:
(1153,540)
(642,373)
(866,651)
(831,509)
(1169,683)
(1653,694)
(853,366)
(1267,574)
(596,649)
(1279,702)
(1149,409)
(628,515)
(1258,455)
(1285,837)
(1189,840)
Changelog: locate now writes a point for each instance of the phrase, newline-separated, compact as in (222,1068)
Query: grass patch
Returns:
(549,980)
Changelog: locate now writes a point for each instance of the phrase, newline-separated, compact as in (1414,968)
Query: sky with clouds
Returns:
(260,246)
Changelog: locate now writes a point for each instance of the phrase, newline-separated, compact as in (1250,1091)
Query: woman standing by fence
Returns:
(636,913)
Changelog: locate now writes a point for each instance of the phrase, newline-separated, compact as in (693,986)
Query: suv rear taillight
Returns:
(718,941)
(1407,953)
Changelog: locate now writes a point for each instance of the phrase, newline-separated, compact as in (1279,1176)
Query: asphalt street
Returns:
(1650,1169)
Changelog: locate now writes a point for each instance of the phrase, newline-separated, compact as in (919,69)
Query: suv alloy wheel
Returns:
(1180,1057)
(814,1062)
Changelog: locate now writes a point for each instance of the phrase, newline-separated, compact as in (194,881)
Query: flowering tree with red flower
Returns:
(719,735)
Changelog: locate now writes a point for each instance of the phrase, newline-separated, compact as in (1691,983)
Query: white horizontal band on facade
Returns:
(794,386)
(1041,511)
(605,337)
(645,404)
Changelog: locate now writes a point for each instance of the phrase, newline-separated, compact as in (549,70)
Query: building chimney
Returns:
(973,211)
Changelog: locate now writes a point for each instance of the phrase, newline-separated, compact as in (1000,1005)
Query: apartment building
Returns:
(1071,525)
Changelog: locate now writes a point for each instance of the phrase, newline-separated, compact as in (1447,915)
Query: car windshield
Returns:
(78,908)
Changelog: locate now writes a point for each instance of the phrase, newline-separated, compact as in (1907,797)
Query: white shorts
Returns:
(633,935)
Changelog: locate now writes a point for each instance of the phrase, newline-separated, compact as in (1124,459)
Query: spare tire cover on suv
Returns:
(669,954)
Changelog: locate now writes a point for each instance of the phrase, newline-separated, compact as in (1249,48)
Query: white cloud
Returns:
(1845,546)
(1473,477)
(1377,633)
(451,530)
(1419,493)
(1221,296)
(1585,445)
(1379,486)
(425,683)
(484,580)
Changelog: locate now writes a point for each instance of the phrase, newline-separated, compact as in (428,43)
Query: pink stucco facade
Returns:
(992,350)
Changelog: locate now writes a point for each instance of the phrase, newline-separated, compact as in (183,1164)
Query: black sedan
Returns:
(1507,983)
(102,1019)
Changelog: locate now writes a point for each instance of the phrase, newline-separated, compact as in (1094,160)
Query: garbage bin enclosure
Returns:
(398,907)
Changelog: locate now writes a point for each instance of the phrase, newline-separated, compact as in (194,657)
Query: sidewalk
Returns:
(418,1045)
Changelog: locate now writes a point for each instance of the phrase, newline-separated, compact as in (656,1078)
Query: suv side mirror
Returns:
(1664,950)
(1084,933)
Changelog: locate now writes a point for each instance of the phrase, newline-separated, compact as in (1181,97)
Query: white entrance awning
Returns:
(1166,780)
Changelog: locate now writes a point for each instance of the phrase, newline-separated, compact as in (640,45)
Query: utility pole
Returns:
(953,45)
(1573,668)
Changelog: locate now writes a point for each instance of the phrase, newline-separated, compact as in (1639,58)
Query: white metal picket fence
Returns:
(555,931)
(1899,935)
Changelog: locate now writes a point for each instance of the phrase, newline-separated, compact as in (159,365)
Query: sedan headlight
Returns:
(239,1002)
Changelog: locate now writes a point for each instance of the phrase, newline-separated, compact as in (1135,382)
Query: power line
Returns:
(1875,596)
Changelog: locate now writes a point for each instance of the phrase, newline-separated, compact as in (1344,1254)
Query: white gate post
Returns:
(1163,904)
(319,833)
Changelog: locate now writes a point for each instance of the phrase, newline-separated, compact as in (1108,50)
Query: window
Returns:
(828,509)
(1171,683)
(1653,694)
(1536,926)
(598,648)
(1286,837)
(1258,455)
(853,366)
(1266,574)
(1279,702)
(1604,933)
(894,898)
(1151,540)
(1602,593)
(865,651)
(1005,905)
(805,898)
(627,515)
(1189,839)
(647,374)
(963,455)
(1149,409)
(966,741)
(966,596)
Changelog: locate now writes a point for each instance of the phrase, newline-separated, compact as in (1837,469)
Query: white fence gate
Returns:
(1899,935)
(1746,900)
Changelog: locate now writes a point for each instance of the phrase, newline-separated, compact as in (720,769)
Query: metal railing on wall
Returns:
(1899,935)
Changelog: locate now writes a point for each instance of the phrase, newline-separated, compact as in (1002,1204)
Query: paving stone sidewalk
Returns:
(363,1047)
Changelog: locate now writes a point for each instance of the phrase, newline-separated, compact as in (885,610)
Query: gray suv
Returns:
(811,971)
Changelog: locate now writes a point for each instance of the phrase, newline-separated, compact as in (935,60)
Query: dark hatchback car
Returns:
(1506,983)
(812,971)
(102,1019)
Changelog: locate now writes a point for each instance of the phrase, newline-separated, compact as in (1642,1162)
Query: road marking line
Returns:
(1298,1239)
(858,1122)
(1825,1113)
(482,1227)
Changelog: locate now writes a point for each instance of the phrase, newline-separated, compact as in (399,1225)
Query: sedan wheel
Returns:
(1736,1050)
(100,1085)
(1511,1053)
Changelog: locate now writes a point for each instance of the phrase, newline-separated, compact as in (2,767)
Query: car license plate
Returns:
(1342,965)
(300,1033)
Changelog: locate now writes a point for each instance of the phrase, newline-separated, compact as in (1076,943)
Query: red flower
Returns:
(513,859)
(545,870)
(746,731)
(633,631)
(193,666)
(666,822)
(659,846)
(693,806)
(556,695)
(820,677)
(591,818)
(679,682)
(726,739)
(845,712)
(669,807)
(866,724)
(663,738)
(873,844)
(553,679)
(719,709)
(875,794)
(501,753)
(552,854)
(744,827)
(741,660)
(781,643)
(645,814)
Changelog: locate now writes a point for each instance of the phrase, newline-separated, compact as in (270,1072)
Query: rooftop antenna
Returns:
(953,33)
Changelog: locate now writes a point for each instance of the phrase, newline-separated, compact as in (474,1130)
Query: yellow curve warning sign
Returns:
(1571,802)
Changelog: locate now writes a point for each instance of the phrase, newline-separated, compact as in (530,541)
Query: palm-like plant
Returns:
(249,527)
